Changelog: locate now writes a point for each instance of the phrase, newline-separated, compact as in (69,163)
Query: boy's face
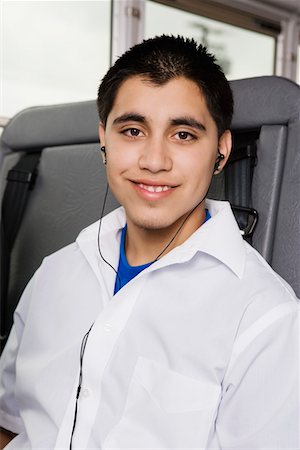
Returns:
(161,147)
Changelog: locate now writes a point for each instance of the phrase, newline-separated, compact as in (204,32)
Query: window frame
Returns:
(279,23)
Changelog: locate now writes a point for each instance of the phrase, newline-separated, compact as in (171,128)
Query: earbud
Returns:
(218,160)
(104,152)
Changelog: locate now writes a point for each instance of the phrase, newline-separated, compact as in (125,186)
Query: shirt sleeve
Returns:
(9,414)
(260,407)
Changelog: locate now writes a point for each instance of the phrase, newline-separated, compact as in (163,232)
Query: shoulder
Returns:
(269,300)
(263,281)
(70,254)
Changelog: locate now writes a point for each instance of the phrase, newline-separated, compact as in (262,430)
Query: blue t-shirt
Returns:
(126,272)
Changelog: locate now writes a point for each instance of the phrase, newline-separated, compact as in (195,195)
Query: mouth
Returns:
(151,188)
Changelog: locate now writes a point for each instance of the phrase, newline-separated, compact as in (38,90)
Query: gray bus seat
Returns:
(69,189)
(71,182)
(271,105)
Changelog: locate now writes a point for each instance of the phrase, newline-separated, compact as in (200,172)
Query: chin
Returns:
(150,225)
(154,223)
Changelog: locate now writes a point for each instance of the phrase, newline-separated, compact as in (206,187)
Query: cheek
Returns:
(113,179)
(112,172)
(198,167)
(117,169)
(117,160)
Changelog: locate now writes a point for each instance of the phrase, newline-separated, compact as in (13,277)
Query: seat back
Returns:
(271,105)
(69,189)
(71,183)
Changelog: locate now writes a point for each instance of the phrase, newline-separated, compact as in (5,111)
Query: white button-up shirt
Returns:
(199,351)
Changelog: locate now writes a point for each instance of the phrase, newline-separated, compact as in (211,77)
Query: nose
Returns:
(155,156)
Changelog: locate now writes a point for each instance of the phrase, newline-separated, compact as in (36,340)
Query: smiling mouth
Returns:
(150,188)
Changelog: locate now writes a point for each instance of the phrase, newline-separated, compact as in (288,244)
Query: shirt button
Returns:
(85,393)
(108,327)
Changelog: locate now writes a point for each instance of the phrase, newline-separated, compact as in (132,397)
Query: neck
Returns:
(146,245)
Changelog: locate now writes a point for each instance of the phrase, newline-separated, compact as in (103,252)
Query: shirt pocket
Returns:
(165,410)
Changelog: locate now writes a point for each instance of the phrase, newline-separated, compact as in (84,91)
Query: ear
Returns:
(101,132)
(225,144)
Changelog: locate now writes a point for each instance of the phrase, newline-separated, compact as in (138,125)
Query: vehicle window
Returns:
(241,53)
(52,51)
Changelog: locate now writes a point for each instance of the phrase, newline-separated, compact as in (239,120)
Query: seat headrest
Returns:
(265,100)
(44,126)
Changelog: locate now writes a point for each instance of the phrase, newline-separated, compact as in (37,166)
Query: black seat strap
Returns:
(20,181)
(238,181)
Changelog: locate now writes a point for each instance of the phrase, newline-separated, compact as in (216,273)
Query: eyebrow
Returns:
(129,117)
(188,121)
(177,121)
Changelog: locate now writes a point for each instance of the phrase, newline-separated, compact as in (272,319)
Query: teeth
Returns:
(154,188)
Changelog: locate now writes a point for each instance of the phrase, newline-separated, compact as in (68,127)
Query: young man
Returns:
(160,327)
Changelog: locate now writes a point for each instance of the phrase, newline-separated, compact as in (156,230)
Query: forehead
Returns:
(177,97)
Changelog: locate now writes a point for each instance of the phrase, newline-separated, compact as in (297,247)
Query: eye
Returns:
(132,132)
(185,136)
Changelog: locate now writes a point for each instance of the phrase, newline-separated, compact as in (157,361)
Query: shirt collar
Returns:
(219,237)
(109,243)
